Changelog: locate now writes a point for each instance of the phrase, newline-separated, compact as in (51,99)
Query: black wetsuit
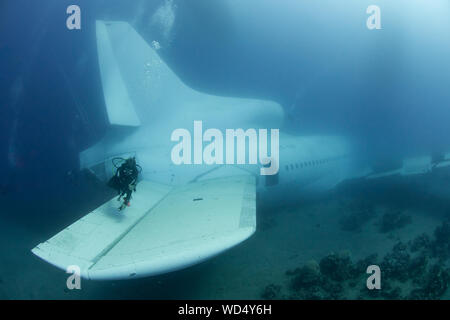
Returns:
(125,179)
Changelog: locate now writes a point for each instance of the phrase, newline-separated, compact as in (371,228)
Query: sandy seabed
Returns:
(287,237)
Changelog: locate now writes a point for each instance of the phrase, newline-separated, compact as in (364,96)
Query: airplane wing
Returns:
(165,229)
(415,165)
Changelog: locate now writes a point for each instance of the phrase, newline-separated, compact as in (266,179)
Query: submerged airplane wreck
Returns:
(183,215)
(171,225)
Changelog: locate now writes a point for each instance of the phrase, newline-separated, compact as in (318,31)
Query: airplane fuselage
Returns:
(307,165)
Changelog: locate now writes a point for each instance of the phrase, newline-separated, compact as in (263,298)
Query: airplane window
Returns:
(296,165)
(292,167)
(287,168)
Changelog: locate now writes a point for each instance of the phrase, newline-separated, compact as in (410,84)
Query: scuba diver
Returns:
(125,179)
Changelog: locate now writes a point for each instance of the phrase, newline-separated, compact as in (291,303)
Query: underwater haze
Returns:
(386,91)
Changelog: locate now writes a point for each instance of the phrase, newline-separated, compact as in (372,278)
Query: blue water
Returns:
(386,89)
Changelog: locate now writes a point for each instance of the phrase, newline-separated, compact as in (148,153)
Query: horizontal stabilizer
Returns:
(444,161)
(164,229)
(414,166)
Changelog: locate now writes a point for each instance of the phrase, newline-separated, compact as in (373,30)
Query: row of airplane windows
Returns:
(300,165)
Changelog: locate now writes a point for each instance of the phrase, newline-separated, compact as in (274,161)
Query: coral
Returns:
(392,294)
(393,220)
(307,282)
(337,267)
(310,284)
(409,271)
(395,264)
(436,284)
(271,292)
(307,276)
(421,242)
(440,246)
(361,265)
(417,266)
(333,289)
(314,293)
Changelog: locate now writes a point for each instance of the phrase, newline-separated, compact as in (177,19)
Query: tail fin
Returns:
(135,80)
(120,108)
(140,88)
(145,100)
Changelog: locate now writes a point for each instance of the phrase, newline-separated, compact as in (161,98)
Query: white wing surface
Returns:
(164,230)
